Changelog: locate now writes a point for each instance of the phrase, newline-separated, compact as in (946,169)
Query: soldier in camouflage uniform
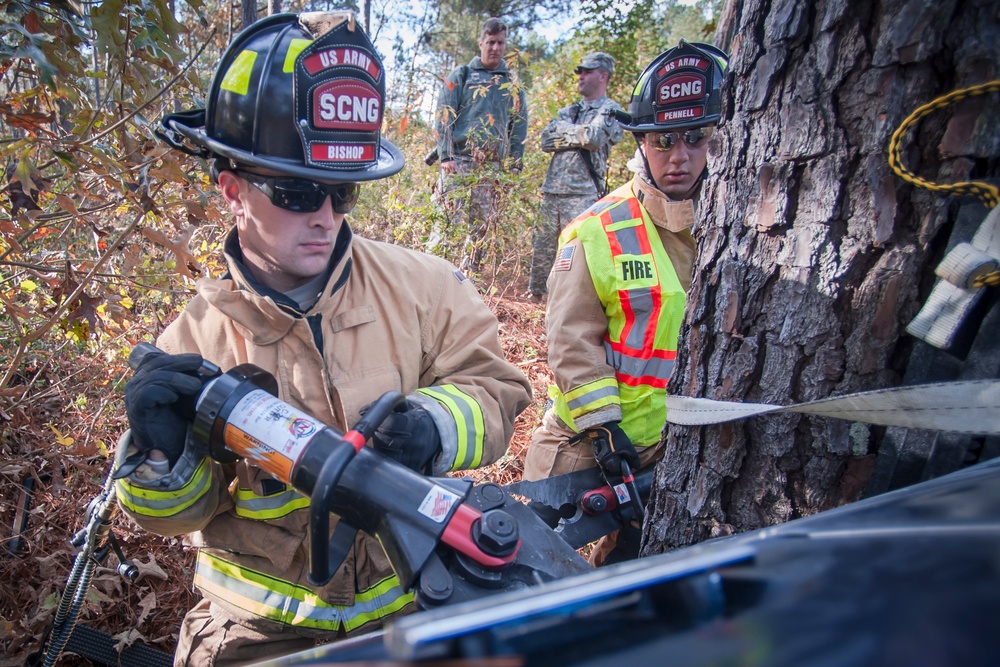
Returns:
(481,124)
(580,140)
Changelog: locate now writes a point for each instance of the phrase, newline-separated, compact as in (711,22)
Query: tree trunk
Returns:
(248,13)
(813,255)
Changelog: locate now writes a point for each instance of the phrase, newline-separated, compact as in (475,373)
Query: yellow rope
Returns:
(991,279)
(988,193)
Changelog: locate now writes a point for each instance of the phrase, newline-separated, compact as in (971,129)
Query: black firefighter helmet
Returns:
(302,94)
(680,89)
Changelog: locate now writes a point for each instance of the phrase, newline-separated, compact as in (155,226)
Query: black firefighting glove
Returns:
(409,436)
(611,447)
(160,400)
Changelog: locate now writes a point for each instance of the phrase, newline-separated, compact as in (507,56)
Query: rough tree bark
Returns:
(813,254)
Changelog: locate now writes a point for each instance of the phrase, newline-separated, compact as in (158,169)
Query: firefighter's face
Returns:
(678,169)
(282,249)
(492,48)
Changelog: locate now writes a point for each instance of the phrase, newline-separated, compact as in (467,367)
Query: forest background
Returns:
(104,231)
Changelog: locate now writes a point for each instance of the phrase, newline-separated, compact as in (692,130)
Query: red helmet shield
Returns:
(339,91)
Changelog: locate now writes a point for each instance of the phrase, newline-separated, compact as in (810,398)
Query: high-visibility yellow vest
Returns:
(644,303)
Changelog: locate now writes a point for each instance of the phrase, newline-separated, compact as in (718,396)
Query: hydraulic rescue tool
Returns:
(583,506)
(447,540)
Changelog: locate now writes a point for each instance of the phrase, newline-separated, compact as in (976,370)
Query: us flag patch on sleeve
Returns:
(564,260)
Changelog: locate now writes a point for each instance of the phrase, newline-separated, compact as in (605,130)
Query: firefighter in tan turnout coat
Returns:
(336,318)
(618,285)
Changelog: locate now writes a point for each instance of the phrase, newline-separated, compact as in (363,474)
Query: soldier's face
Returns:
(676,170)
(492,48)
(590,83)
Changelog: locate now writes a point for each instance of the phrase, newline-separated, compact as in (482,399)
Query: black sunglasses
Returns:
(302,196)
(664,141)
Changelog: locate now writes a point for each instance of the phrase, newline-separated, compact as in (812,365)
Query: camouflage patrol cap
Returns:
(595,60)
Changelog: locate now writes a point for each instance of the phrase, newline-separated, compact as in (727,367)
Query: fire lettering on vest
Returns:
(633,269)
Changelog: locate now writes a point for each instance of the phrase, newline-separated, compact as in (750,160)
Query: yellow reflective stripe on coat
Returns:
(285,602)
(468,416)
(153,502)
(588,397)
(251,506)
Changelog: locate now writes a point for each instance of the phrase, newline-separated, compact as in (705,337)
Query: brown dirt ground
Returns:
(55,441)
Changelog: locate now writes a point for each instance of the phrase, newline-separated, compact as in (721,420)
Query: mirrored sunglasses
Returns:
(664,141)
(303,196)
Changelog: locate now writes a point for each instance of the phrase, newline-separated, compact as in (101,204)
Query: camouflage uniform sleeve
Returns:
(551,135)
(449,102)
(576,323)
(519,126)
(562,134)
(615,131)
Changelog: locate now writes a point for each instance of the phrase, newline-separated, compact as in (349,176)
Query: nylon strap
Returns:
(965,272)
(971,407)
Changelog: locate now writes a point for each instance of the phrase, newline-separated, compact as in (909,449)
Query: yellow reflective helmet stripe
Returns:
(145,501)
(294,49)
(469,420)
(237,78)
(285,602)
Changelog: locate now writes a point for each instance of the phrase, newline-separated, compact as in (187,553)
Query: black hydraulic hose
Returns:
(98,527)
(319,515)
(321,557)
(70,606)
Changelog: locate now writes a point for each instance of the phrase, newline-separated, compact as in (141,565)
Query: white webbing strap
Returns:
(962,407)
(954,295)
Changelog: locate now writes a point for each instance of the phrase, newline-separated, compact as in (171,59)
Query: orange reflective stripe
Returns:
(621,244)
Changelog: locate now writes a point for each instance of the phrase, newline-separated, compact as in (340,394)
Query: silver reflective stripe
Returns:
(284,606)
(641,303)
(290,609)
(360,608)
(628,238)
(641,298)
(633,367)
(592,396)
(258,504)
(469,410)
(621,213)
(175,502)
(601,206)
